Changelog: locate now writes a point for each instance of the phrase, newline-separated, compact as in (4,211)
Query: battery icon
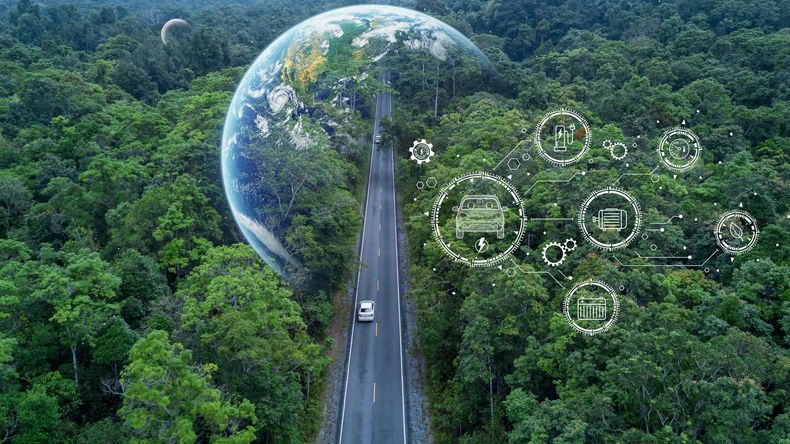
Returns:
(611,219)
(591,309)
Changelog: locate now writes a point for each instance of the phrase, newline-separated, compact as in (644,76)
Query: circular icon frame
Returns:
(679,149)
(587,234)
(421,151)
(445,245)
(720,225)
(539,137)
(591,331)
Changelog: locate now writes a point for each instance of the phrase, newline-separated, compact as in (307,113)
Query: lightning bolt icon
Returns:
(481,244)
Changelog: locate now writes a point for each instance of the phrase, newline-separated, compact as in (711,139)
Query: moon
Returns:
(171,24)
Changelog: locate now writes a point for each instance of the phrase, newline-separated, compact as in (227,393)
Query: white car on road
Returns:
(366,310)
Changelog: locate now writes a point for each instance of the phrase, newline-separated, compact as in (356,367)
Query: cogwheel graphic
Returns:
(557,262)
(569,245)
(421,151)
(615,148)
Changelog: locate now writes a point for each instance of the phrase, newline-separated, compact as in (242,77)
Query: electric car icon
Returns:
(479,214)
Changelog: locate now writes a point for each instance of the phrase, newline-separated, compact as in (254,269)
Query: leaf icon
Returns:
(736,231)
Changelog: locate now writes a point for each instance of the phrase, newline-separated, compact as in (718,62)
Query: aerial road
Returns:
(373,403)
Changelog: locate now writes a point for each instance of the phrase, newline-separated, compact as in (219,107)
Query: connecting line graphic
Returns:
(662,257)
(667,265)
(508,154)
(662,223)
(538,272)
(553,181)
(550,218)
(665,223)
(634,174)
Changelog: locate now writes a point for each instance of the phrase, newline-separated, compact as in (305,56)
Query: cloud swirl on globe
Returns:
(288,136)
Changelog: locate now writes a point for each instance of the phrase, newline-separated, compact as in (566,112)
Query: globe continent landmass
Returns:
(292,116)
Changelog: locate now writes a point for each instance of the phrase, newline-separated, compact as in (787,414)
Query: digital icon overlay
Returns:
(617,150)
(679,149)
(482,204)
(736,232)
(421,151)
(480,214)
(610,218)
(563,137)
(591,307)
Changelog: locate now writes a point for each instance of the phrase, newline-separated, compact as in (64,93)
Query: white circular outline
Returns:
(421,160)
(559,261)
(616,144)
(637,218)
(615,307)
(720,223)
(587,137)
(499,258)
(661,148)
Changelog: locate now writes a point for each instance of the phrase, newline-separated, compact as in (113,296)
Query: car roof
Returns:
(480,197)
(367,304)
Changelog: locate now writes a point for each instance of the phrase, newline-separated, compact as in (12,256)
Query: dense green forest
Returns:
(130,308)
(695,356)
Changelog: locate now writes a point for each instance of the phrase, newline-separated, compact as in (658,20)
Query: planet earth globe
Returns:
(285,125)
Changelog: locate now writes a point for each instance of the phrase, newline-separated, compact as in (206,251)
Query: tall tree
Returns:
(167,398)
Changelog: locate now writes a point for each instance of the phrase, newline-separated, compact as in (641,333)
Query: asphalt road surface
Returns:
(373,409)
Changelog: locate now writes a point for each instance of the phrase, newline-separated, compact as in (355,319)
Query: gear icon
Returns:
(618,147)
(569,245)
(421,151)
(554,263)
